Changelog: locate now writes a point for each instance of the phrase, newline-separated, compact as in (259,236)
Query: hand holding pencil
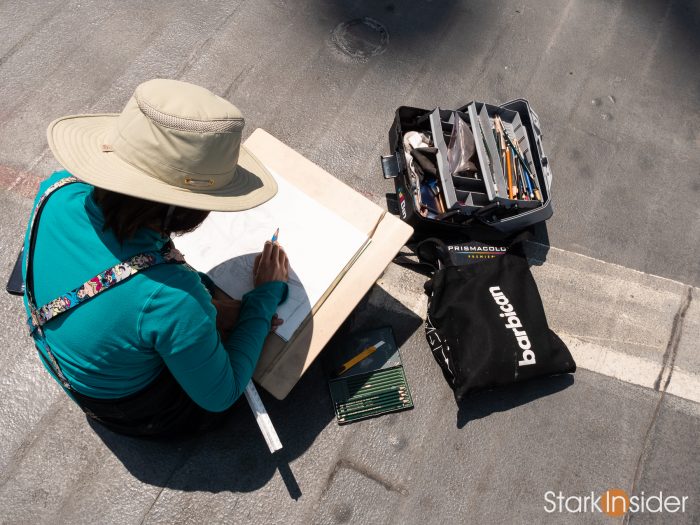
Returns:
(271,264)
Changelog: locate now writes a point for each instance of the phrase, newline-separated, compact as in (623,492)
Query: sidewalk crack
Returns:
(363,471)
(668,364)
(153,503)
(673,341)
(186,456)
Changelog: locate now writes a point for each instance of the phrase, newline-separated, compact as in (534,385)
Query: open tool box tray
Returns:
(481,203)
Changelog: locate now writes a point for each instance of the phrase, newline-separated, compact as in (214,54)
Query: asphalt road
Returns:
(613,82)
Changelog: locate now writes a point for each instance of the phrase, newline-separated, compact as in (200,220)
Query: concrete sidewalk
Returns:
(490,459)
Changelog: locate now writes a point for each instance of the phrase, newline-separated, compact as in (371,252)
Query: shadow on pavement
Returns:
(483,404)
(408,22)
(538,249)
(234,457)
(375,310)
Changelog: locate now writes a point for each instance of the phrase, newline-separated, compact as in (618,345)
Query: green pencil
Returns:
(378,384)
(380,398)
(374,390)
(372,411)
(375,411)
(376,408)
(374,380)
(382,406)
(364,391)
(370,393)
(375,375)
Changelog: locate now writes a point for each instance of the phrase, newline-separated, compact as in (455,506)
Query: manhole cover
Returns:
(361,38)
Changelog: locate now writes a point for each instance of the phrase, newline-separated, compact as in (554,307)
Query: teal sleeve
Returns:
(179,321)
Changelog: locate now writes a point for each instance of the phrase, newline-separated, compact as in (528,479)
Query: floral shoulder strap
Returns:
(97,284)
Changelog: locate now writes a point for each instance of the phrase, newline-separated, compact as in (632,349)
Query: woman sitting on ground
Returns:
(160,352)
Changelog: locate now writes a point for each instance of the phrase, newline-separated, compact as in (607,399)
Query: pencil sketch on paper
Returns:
(235,277)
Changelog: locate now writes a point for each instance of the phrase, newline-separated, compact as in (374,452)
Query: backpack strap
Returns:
(103,281)
(33,221)
(94,286)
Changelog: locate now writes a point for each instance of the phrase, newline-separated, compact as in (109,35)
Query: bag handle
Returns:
(432,254)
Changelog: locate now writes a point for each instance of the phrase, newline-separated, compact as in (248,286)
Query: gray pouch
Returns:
(461,152)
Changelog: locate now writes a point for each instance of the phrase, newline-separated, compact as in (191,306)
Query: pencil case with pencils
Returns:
(368,376)
(479,168)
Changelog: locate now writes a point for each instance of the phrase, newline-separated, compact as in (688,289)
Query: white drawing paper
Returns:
(318,243)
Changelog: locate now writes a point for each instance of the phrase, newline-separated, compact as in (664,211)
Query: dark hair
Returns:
(126,215)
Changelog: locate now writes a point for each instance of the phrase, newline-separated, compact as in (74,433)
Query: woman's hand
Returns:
(271,265)
(276,321)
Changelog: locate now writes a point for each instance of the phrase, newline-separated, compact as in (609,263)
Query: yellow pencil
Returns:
(359,357)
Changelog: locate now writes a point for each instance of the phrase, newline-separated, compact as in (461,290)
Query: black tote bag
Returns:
(486,325)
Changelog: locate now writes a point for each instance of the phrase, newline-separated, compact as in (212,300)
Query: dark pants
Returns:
(162,409)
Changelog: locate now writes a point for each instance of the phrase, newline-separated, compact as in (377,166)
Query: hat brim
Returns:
(76,142)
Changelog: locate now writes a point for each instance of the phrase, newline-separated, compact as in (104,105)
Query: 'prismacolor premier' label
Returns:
(472,252)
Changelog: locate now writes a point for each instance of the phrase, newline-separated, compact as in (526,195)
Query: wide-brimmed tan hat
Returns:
(175,143)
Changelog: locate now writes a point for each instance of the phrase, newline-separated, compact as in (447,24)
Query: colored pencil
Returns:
(365,381)
(395,380)
(390,382)
(367,391)
(370,412)
(525,168)
(374,390)
(378,373)
(377,407)
(370,403)
(359,357)
(373,396)
(522,193)
(536,191)
(376,395)
(510,174)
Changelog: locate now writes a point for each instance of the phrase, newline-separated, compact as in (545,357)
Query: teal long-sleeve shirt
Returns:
(116,343)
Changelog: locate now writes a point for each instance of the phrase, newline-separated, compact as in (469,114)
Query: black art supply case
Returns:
(478,204)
